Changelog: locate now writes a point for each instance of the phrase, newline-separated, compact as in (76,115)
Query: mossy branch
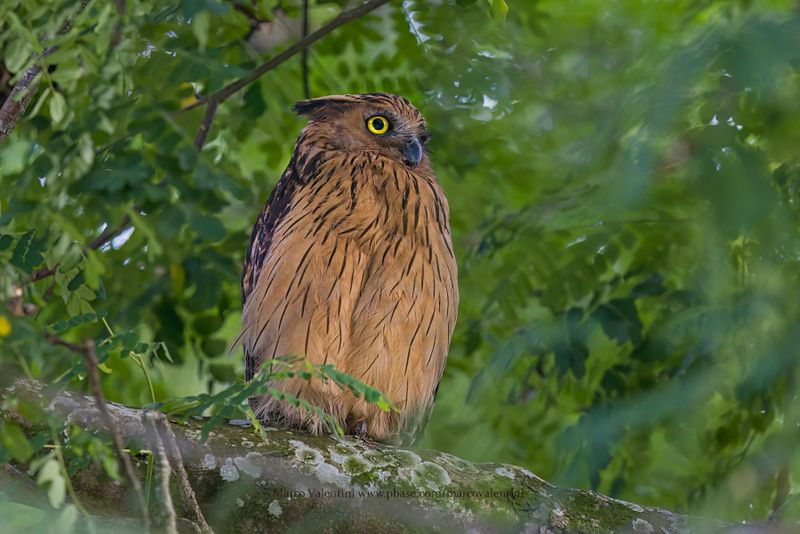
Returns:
(289,480)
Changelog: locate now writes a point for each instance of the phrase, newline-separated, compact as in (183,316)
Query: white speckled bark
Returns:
(293,481)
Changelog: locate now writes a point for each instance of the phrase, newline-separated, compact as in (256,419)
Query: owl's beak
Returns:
(412,152)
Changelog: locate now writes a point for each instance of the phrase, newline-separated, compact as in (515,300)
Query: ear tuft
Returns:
(306,107)
(320,108)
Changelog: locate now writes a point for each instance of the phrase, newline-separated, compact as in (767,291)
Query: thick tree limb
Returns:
(291,480)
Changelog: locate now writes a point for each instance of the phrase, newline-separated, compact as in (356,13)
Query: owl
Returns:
(351,263)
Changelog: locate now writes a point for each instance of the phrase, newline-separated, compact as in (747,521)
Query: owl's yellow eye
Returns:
(378,125)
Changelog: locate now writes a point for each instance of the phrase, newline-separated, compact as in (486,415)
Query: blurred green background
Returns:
(623,176)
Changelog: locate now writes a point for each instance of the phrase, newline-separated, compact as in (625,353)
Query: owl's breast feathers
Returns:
(351,263)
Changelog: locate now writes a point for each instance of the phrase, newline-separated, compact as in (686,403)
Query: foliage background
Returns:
(624,183)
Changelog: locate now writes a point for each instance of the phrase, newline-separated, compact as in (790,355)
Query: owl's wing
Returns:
(276,207)
(449,297)
(260,239)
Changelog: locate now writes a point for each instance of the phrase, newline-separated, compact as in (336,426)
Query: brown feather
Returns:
(351,264)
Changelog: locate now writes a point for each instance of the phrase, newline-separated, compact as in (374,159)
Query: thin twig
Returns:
(205,124)
(39,274)
(116,37)
(74,347)
(90,355)
(248,12)
(164,497)
(230,89)
(782,485)
(106,236)
(110,234)
(304,55)
(49,291)
(185,491)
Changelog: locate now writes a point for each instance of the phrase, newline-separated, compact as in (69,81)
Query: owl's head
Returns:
(375,122)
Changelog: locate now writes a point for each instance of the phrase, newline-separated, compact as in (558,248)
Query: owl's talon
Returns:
(361,430)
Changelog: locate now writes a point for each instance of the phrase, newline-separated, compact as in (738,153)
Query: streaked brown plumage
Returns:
(351,263)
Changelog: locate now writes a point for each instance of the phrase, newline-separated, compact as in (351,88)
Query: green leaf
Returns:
(5,242)
(62,326)
(14,441)
(51,477)
(200,24)
(66,519)
(498,10)
(620,321)
(58,107)
(28,253)
(222,372)
(16,55)
(208,227)
(76,282)
(14,158)
(31,411)
(570,349)
(651,287)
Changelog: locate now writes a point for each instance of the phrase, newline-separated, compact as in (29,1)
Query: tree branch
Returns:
(213,101)
(90,356)
(74,347)
(293,481)
(205,124)
(166,518)
(17,102)
(789,431)
(165,438)
(116,37)
(304,56)
(248,12)
(107,235)
(345,17)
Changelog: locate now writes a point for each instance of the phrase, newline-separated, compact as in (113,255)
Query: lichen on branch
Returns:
(279,480)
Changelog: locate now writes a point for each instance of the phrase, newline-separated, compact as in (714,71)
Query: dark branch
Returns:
(205,124)
(110,234)
(17,102)
(107,235)
(790,424)
(166,439)
(166,518)
(21,94)
(248,12)
(232,88)
(304,56)
(74,347)
(116,37)
(90,356)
